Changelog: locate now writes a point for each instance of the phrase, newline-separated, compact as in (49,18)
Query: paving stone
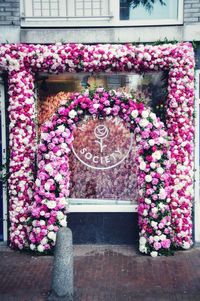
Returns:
(104,273)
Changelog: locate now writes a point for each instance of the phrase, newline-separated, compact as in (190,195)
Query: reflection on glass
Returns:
(103,161)
(158,11)
(149,88)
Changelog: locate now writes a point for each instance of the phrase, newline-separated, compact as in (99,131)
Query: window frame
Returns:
(112,19)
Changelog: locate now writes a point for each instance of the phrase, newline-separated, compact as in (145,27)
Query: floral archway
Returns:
(52,184)
(22,62)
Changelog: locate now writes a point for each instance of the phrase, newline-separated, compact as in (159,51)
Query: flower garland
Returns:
(22,61)
(49,209)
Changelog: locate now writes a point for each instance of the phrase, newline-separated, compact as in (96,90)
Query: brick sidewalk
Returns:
(105,273)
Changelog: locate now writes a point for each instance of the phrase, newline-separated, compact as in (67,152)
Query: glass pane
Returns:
(102,163)
(150,88)
(102,168)
(158,11)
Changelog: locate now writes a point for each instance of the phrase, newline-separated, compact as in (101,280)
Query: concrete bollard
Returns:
(62,276)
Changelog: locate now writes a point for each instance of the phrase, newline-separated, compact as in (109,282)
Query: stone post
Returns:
(62,276)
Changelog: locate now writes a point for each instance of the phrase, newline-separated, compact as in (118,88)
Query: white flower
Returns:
(148,178)
(134,113)
(49,168)
(96,105)
(143,165)
(147,201)
(72,114)
(44,241)
(153,165)
(60,215)
(154,224)
(52,235)
(156,238)
(157,155)
(186,245)
(61,128)
(162,194)
(63,222)
(151,142)
(154,209)
(160,170)
(143,122)
(143,249)
(37,183)
(58,177)
(142,241)
(42,222)
(51,204)
(40,248)
(154,254)
(145,212)
(47,186)
(152,116)
(145,114)
(32,247)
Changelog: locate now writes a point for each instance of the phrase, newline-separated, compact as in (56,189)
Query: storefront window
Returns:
(103,159)
(158,11)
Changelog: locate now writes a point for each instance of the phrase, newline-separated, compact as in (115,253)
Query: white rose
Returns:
(142,249)
(72,114)
(148,178)
(154,224)
(32,247)
(58,177)
(51,204)
(186,245)
(154,254)
(147,201)
(151,142)
(143,165)
(52,235)
(42,222)
(50,227)
(96,105)
(44,241)
(157,155)
(145,212)
(156,238)
(40,248)
(153,165)
(61,128)
(145,114)
(162,237)
(152,116)
(160,170)
(37,183)
(49,168)
(63,222)
(143,122)
(142,241)
(47,186)
(60,215)
(134,113)
(154,209)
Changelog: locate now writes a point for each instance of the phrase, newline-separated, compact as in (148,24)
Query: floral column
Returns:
(22,144)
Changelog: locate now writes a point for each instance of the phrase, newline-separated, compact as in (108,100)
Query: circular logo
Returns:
(101,143)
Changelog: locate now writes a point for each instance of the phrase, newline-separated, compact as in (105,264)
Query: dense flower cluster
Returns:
(22,61)
(49,209)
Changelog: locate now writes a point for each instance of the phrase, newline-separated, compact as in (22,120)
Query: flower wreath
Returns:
(52,183)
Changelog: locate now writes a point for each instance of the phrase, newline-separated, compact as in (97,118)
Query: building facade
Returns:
(98,217)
